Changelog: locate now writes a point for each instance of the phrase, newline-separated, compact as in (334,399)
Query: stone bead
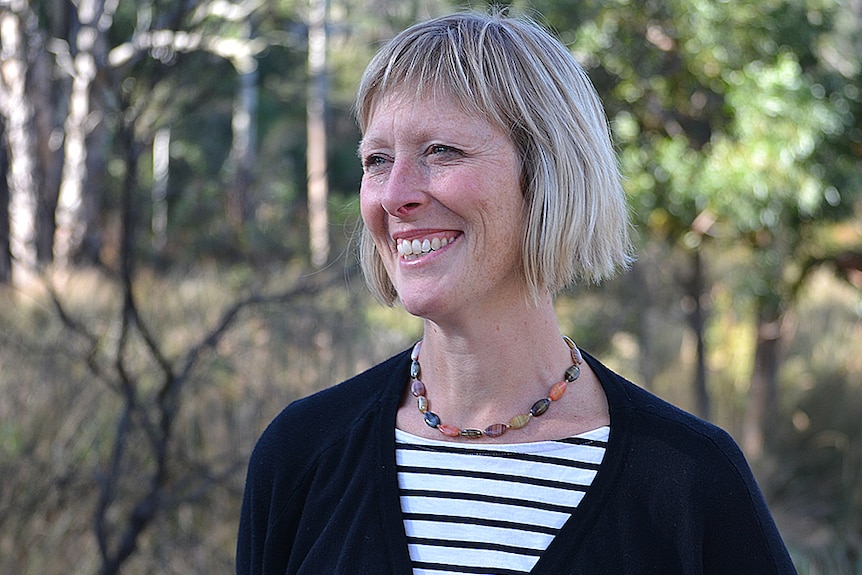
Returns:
(432,419)
(558,390)
(422,403)
(417,388)
(576,353)
(415,369)
(414,354)
(449,430)
(472,433)
(519,421)
(572,373)
(540,407)
(577,357)
(496,430)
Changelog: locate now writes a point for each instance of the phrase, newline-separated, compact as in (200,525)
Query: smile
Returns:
(412,249)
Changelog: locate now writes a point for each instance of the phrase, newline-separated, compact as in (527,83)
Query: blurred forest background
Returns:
(178,199)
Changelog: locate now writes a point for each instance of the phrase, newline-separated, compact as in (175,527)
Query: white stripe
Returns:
(483,510)
(457,532)
(470,558)
(501,465)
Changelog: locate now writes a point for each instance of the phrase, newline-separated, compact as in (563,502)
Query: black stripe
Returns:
(482,522)
(465,569)
(479,545)
(493,476)
(508,454)
(487,499)
(583,441)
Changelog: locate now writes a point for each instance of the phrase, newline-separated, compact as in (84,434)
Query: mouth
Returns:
(413,249)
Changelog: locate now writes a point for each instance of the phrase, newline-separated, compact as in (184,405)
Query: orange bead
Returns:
(449,430)
(558,390)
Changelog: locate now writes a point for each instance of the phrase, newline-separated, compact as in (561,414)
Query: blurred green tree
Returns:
(738,125)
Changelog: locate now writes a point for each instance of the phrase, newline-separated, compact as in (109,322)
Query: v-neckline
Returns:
(572,531)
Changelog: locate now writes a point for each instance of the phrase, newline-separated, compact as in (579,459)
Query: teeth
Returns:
(407,248)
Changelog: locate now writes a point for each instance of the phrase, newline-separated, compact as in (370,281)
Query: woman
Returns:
(493,445)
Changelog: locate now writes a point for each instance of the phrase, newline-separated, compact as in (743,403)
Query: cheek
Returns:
(367,205)
(373,217)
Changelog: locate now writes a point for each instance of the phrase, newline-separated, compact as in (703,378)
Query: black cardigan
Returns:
(674,494)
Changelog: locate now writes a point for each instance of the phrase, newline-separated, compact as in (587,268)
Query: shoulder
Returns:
(668,431)
(307,455)
(670,468)
(675,456)
(315,423)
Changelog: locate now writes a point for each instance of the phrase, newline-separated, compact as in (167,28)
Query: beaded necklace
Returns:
(417,388)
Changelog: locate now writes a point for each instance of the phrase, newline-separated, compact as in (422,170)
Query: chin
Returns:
(425,304)
(414,306)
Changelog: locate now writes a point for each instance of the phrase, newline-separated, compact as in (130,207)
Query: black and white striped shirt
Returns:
(490,508)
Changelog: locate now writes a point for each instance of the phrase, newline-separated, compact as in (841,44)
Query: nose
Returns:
(404,192)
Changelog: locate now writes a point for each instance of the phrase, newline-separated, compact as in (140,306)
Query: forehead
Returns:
(426,113)
(418,90)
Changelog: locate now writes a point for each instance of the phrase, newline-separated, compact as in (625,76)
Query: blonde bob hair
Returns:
(514,74)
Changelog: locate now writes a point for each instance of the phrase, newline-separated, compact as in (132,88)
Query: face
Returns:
(441,198)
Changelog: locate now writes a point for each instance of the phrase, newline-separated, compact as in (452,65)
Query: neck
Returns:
(491,366)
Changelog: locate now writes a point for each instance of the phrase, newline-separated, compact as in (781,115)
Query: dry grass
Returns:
(59,419)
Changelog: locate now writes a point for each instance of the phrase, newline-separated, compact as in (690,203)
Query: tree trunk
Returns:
(49,96)
(71,216)
(240,206)
(161,174)
(318,187)
(98,146)
(697,320)
(763,391)
(18,118)
(647,361)
(5,253)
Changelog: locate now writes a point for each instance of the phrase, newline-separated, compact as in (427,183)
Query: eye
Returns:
(441,149)
(373,161)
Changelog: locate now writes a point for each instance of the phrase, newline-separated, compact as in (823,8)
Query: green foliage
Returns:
(718,106)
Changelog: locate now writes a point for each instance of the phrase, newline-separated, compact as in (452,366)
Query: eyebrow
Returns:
(456,138)
(368,143)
